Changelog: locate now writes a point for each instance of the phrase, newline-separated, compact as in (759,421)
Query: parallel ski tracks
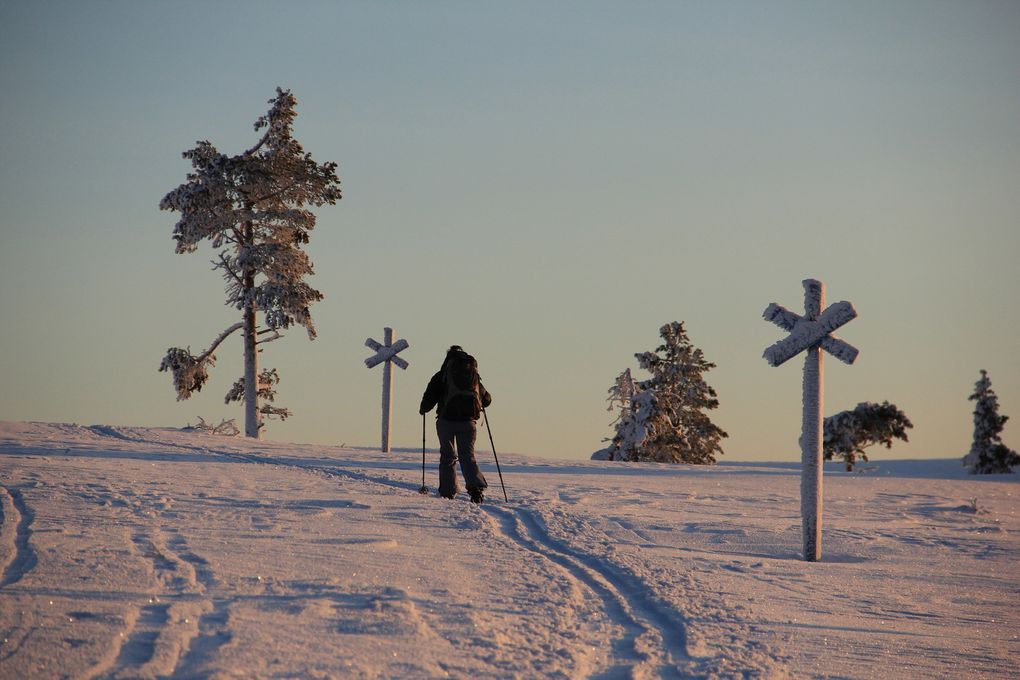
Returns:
(653,641)
(654,638)
(180,627)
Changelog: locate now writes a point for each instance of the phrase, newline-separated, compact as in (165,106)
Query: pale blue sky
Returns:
(543,183)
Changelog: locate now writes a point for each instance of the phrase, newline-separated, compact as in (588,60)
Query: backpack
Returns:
(462,398)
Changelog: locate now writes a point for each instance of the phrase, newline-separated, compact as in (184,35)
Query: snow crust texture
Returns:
(151,553)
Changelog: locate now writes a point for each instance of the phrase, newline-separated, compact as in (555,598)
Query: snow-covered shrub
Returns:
(988,455)
(847,433)
(251,207)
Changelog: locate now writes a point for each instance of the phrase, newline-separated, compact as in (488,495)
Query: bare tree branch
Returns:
(216,343)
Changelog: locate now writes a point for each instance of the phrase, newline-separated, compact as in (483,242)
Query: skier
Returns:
(459,396)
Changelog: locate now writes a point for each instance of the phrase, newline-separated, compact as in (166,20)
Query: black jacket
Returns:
(434,397)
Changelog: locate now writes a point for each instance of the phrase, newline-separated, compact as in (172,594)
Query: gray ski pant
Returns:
(463,433)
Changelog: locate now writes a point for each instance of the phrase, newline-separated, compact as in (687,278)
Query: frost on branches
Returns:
(637,428)
(226,428)
(848,433)
(253,209)
(665,420)
(988,455)
(620,399)
(621,396)
(268,379)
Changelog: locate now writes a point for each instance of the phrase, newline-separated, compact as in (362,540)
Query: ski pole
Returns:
(494,454)
(424,489)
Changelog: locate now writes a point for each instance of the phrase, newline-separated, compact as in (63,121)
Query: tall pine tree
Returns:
(988,455)
(251,207)
(668,422)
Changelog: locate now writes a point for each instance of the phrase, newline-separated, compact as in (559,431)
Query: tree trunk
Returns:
(252,417)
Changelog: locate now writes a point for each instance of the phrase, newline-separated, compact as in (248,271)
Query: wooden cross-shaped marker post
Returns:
(386,354)
(811,333)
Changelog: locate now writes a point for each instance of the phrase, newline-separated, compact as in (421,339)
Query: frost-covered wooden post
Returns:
(811,334)
(386,354)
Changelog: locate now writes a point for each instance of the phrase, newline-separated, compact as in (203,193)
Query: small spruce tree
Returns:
(632,408)
(252,209)
(848,433)
(621,394)
(668,422)
(637,426)
(621,402)
(988,455)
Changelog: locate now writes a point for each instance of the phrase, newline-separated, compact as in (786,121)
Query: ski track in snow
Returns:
(140,646)
(16,531)
(654,636)
(653,641)
(178,627)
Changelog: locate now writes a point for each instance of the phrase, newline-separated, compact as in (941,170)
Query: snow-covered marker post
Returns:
(811,333)
(386,354)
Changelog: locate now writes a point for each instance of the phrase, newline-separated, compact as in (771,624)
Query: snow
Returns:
(815,327)
(142,552)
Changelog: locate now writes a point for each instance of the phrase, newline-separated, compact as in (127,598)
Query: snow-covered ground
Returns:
(131,553)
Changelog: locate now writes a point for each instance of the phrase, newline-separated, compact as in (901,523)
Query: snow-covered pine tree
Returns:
(252,209)
(638,425)
(848,433)
(676,427)
(620,395)
(988,455)
(620,399)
